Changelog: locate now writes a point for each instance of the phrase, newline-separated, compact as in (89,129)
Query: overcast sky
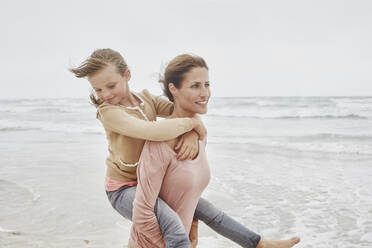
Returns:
(253,48)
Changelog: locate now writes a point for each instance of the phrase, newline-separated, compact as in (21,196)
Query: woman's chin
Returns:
(202,111)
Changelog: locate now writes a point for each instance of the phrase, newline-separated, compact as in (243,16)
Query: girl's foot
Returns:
(278,243)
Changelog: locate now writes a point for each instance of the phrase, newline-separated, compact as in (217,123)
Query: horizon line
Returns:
(263,96)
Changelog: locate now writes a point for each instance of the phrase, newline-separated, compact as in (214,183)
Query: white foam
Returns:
(367,237)
(6,230)
(208,242)
(72,127)
(35,195)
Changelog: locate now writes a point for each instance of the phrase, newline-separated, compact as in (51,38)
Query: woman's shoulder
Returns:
(159,149)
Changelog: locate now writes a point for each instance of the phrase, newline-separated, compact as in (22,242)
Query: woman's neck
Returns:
(178,112)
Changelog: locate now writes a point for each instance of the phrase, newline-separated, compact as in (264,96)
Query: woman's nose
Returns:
(204,92)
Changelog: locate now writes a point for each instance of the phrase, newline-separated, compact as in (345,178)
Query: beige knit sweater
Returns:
(127,129)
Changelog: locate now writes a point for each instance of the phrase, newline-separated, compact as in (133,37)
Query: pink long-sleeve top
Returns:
(179,183)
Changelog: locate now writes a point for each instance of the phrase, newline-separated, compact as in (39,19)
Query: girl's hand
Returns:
(187,146)
(193,236)
(199,127)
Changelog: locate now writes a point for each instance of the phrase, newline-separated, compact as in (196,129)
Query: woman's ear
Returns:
(172,89)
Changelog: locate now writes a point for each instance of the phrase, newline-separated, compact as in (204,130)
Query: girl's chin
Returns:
(114,101)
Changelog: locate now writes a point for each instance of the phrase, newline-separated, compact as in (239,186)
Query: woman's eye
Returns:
(207,85)
(111,86)
(195,86)
(97,91)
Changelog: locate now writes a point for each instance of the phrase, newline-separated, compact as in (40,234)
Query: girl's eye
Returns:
(207,85)
(98,90)
(111,86)
(195,86)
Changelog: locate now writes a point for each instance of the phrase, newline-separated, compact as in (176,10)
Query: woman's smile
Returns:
(193,95)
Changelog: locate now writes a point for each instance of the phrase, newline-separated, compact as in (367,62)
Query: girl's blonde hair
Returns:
(97,61)
(176,69)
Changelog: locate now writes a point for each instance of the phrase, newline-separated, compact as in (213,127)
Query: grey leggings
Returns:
(174,233)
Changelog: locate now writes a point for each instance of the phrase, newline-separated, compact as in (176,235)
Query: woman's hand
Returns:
(187,146)
(193,236)
(199,127)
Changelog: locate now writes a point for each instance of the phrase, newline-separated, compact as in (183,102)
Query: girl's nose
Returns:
(105,94)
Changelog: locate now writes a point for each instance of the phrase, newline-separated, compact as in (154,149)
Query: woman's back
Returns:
(184,183)
(179,183)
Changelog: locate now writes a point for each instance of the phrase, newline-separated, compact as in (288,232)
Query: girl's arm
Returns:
(150,173)
(163,106)
(188,145)
(116,119)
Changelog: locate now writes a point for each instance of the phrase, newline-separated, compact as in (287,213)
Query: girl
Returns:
(128,119)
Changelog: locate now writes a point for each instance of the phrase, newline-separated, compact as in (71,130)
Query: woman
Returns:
(180,183)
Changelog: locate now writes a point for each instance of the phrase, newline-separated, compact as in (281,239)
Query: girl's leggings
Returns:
(170,224)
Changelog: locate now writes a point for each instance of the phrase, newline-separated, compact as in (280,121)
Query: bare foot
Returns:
(278,243)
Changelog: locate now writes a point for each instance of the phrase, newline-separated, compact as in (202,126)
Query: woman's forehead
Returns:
(197,74)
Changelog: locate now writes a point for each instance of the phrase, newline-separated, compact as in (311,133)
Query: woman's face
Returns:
(193,95)
(109,85)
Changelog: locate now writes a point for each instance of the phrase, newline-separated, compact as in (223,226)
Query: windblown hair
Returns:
(175,70)
(97,61)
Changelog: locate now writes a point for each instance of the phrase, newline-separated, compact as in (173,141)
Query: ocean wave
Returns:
(274,101)
(87,127)
(49,110)
(332,137)
(15,129)
(10,231)
(16,194)
(45,105)
(309,137)
(323,143)
(352,100)
(54,129)
(42,101)
(262,105)
(349,116)
(306,147)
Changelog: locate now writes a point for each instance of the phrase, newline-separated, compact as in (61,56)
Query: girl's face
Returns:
(193,95)
(109,85)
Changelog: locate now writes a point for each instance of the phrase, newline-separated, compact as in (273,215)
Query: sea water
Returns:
(282,166)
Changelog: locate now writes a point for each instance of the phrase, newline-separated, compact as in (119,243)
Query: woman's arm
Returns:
(150,172)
